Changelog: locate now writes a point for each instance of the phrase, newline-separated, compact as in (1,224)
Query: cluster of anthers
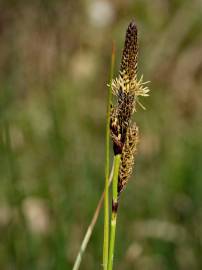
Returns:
(127,89)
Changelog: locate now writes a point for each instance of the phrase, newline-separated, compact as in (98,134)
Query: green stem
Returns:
(90,228)
(117,159)
(106,197)
(88,235)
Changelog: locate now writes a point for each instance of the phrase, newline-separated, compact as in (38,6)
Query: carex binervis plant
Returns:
(124,132)
(127,89)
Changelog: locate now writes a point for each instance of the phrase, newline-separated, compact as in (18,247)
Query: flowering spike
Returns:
(128,157)
(130,53)
(127,89)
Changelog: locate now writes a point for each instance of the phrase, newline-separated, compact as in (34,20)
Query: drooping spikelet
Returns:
(128,156)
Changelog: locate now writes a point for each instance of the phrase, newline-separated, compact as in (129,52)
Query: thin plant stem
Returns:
(117,159)
(91,227)
(88,234)
(107,152)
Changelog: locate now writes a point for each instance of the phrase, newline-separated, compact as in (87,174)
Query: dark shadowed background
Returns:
(54,66)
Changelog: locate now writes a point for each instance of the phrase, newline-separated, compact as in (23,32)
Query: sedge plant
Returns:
(124,131)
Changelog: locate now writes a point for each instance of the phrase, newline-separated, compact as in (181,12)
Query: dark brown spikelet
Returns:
(126,88)
(124,108)
(128,157)
(130,53)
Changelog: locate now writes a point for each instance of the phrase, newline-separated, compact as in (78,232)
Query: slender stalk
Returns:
(117,159)
(106,197)
(91,227)
(88,234)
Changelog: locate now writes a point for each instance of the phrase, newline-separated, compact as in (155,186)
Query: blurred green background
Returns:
(54,66)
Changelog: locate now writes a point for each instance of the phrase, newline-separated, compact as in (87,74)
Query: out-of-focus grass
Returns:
(54,60)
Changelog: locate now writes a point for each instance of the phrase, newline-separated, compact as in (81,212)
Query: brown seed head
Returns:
(124,108)
(130,53)
(127,89)
(128,156)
